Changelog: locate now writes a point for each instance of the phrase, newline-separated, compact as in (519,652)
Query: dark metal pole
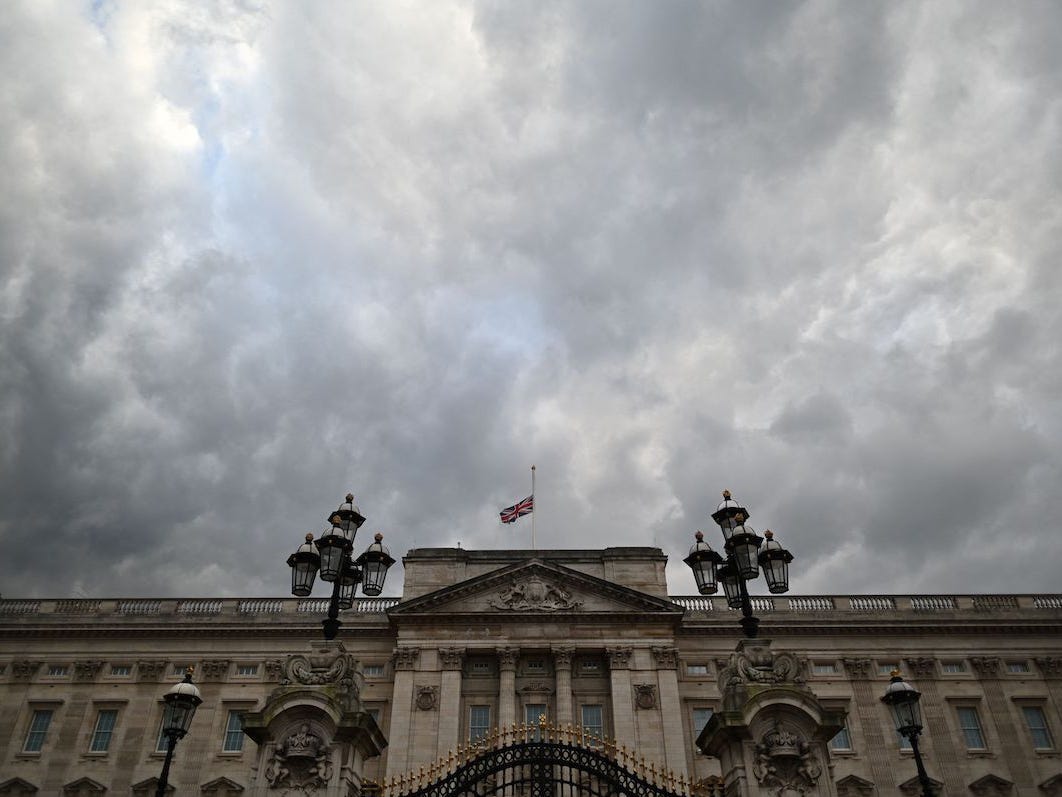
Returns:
(749,624)
(164,777)
(923,777)
(332,622)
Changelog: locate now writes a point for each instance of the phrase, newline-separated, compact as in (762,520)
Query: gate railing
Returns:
(545,746)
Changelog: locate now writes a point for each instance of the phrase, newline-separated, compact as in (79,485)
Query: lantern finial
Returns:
(726,494)
(350,498)
(768,534)
(699,536)
(309,536)
(378,537)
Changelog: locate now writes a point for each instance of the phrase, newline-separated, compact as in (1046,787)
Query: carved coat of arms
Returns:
(534,595)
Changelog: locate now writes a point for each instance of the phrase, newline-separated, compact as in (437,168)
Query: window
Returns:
(1037,723)
(700,719)
(843,740)
(824,668)
(121,670)
(532,712)
(234,733)
(953,667)
(161,743)
(905,743)
(696,669)
(593,719)
(57,670)
(374,713)
(479,667)
(373,670)
(536,665)
(38,729)
(886,667)
(180,669)
(970,724)
(247,669)
(1017,666)
(590,666)
(101,735)
(478,722)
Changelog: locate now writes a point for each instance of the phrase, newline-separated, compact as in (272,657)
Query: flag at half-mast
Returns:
(519,509)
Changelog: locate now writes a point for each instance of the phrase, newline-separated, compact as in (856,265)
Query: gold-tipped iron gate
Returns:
(543,760)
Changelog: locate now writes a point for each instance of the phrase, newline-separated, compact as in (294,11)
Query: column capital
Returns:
(922,668)
(857,668)
(507,658)
(87,670)
(1050,666)
(451,658)
(665,657)
(985,666)
(406,657)
(619,658)
(562,657)
(24,669)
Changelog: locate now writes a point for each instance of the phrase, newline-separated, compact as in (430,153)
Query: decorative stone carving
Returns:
(507,658)
(562,658)
(755,663)
(215,669)
(17,787)
(451,658)
(922,668)
(83,787)
(536,688)
(645,696)
(534,595)
(665,658)
(992,786)
(857,668)
(150,670)
(221,787)
(427,697)
(318,669)
(1050,666)
(406,658)
(619,658)
(150,787)
(301,761)
(854,786)
(985,666)
(274,669)
(24,669)
(913,788)
(87,670)
(785,763)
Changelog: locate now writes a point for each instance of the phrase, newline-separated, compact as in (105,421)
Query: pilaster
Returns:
(451,661)
(1011,738)
(868,706)
(619,659)
(562,666)
(666,661)
(400,748)
(936,743)
(507,658)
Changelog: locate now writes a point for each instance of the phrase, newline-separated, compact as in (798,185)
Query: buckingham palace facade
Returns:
(488,640)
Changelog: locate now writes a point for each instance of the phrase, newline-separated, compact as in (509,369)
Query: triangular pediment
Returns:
(992,786)
(149,787)
(854,786)
(17,787)
(82,787)
(530,590)
(220,786)
(912,786)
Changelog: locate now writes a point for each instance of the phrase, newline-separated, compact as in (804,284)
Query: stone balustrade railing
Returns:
(693,604)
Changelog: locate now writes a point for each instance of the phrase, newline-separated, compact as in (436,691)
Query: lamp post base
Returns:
(331,627)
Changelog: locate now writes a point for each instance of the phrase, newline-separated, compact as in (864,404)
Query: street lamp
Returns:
(181,701)
(746,553)
(903,699)
(331,557)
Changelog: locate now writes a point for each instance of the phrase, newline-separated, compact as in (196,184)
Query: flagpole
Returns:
(534,507)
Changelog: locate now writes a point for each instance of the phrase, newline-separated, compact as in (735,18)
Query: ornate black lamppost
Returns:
(331,556)
(903,699)
(744,558)
(181,700)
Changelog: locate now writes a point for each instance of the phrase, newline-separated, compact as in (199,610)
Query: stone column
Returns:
(1011,738)
(936,736)
(868,706)
(507,686)
(400,746)
(622,701)
(666,660)
(562,665)
(450,659)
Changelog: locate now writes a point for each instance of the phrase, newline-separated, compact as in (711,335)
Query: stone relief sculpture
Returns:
(427,697)
(755,663)
(785,764)
(301,761)
(534,595)
(645,695)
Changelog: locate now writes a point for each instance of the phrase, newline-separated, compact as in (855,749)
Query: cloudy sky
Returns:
(253,255)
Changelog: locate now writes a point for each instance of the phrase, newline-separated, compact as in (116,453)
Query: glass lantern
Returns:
(903,699)
(303,564)
(374,564)
(774,559)
(181,701)
(703,562)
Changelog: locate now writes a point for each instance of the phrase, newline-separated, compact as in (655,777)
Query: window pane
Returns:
(373,670)
(478,722)
(38,729)
(823,668)
(886,667)
(1017,666)
(953,666)
(842,741)
(532,711)
(101,736)
(121,670)
(971,728)
(700,719)
(162,742)
(234,733)
(696,669)
(1037,722)
(593,719)
(905,743)
(247,669)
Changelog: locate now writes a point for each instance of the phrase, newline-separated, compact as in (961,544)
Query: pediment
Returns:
(83,787)
(912,786)
(992,786)
(149,787)
(854,786)
(531,590)
(17,787)
(221,787)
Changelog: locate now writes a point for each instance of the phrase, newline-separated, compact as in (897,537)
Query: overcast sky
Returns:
(253,255)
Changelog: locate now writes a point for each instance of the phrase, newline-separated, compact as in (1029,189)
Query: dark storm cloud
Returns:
(256,255)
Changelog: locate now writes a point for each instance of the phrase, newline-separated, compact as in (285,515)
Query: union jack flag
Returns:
(519,509)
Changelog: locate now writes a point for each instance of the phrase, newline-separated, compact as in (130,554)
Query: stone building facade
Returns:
(481,639)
